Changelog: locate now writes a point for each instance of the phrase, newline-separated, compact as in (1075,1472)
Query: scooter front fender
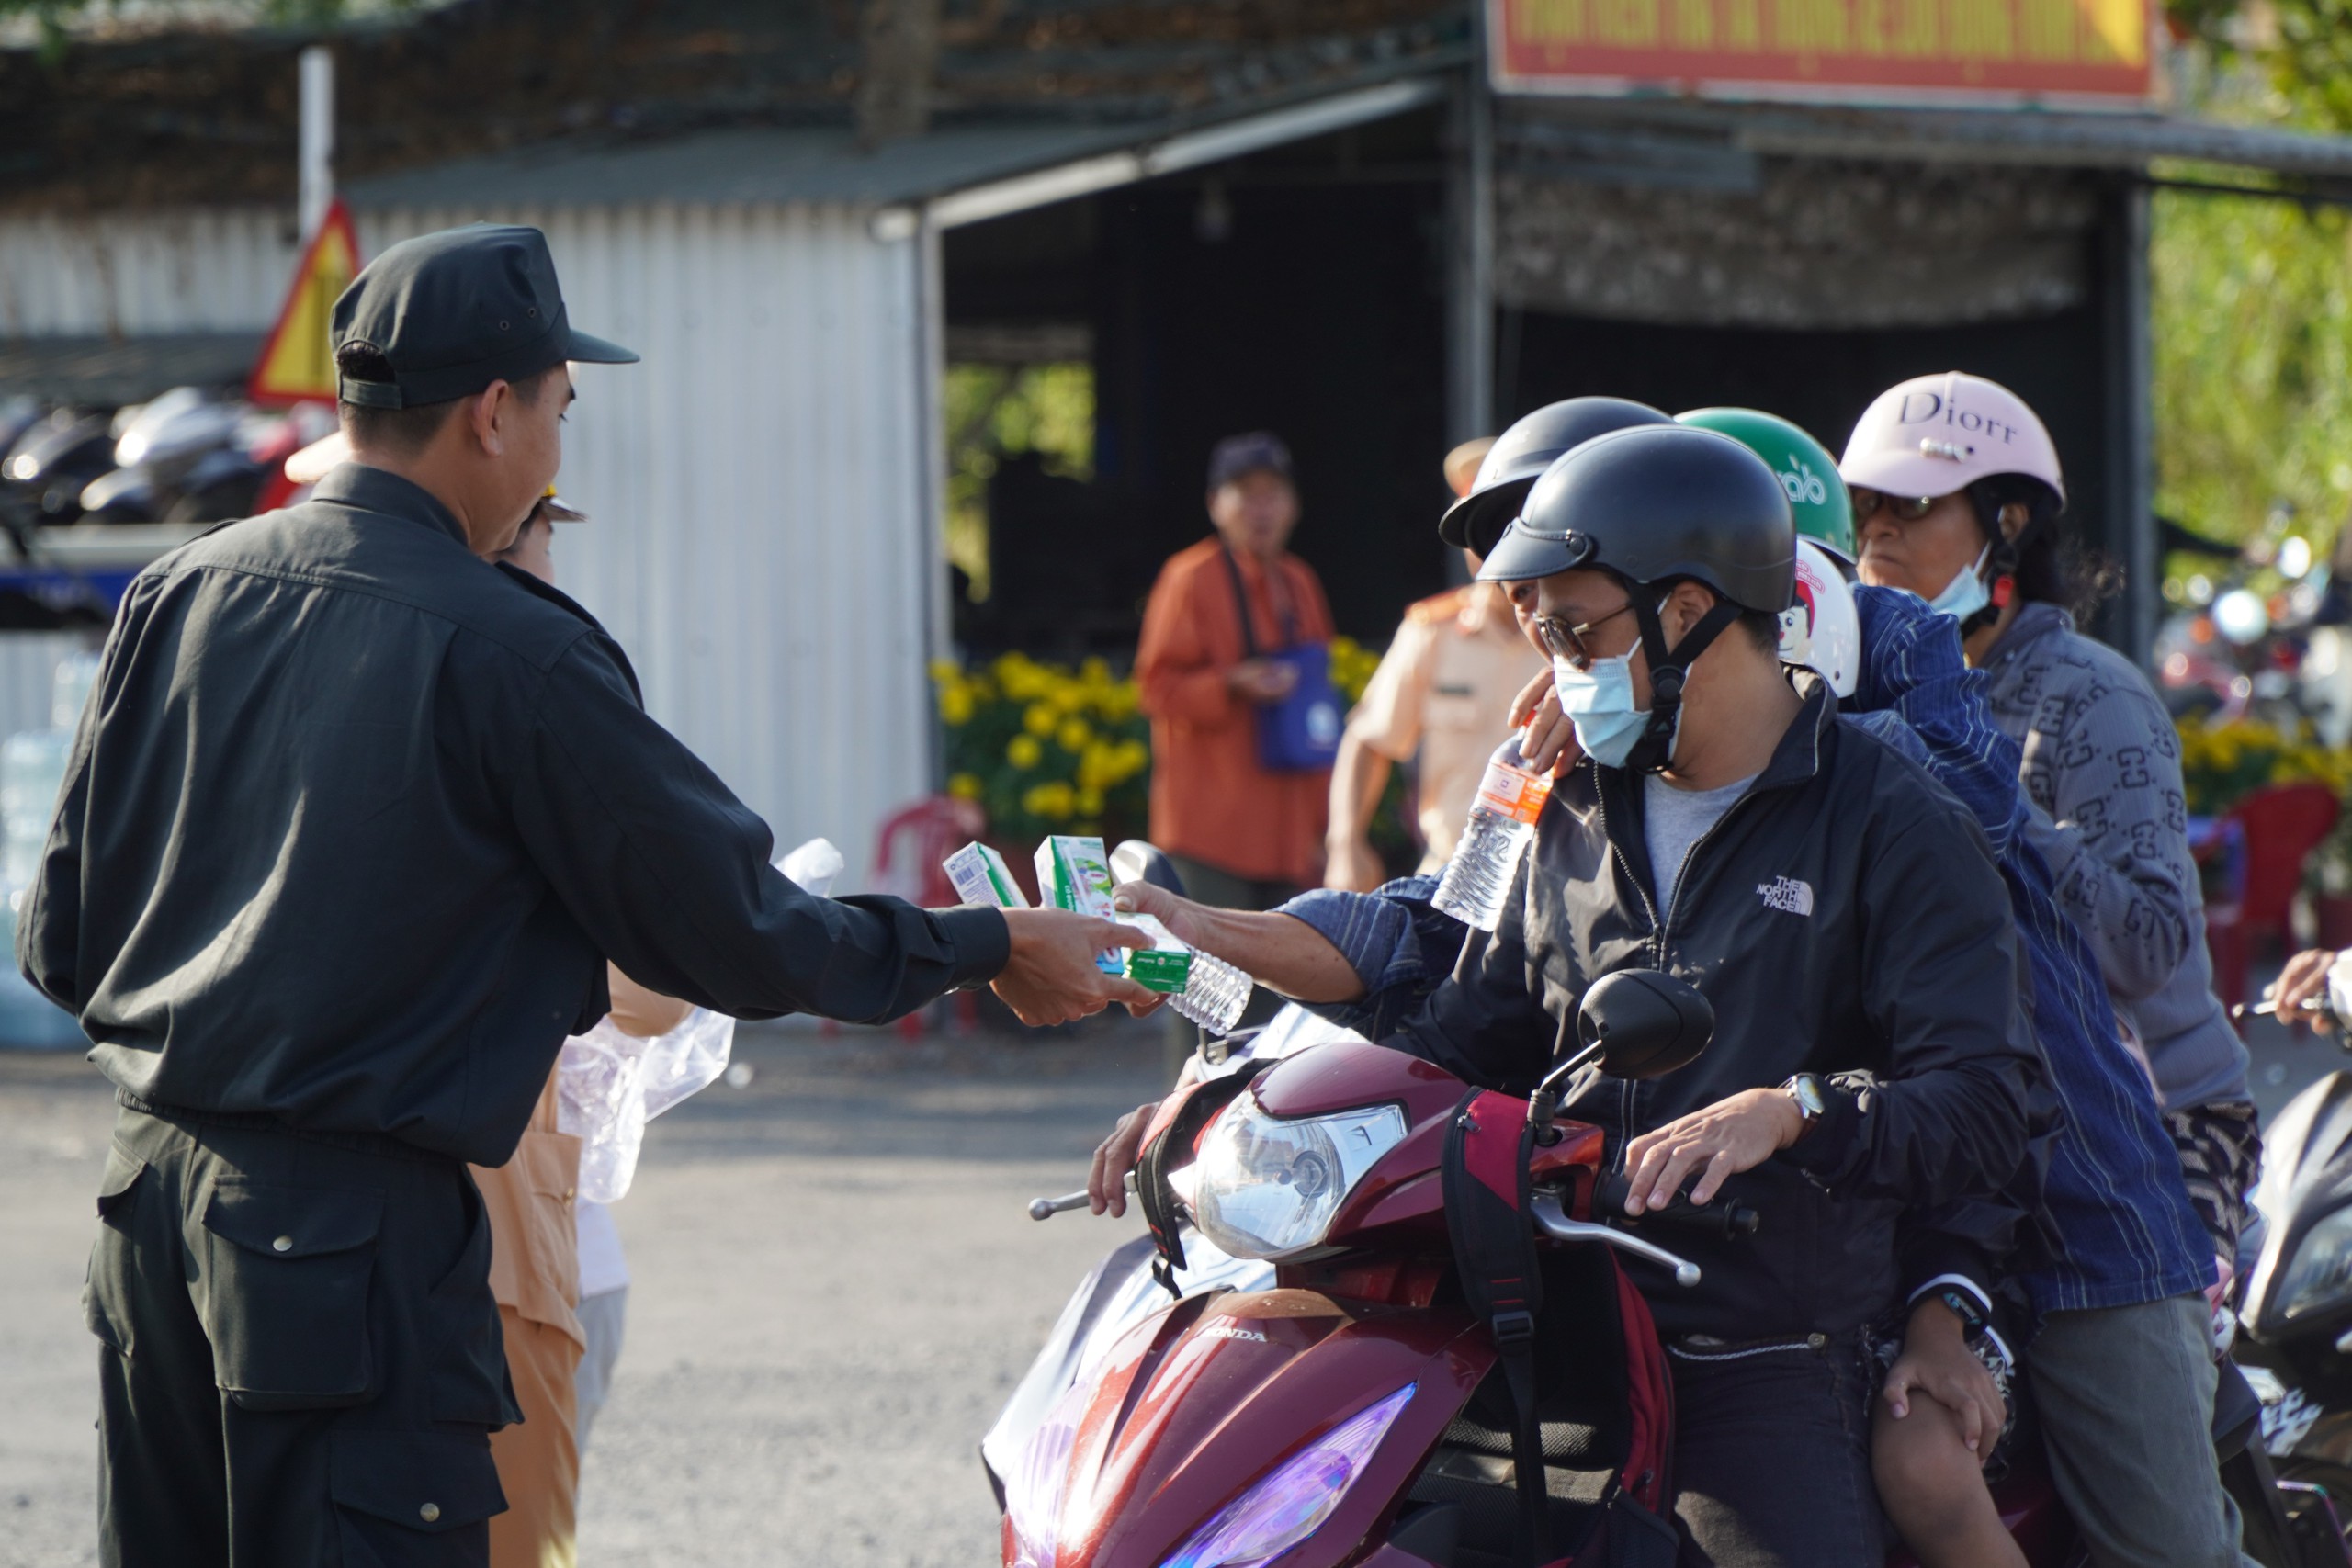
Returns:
(1195,1407)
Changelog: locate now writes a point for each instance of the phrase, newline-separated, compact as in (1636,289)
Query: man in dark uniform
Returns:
(350,828)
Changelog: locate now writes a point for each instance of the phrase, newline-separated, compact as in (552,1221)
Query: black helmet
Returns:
(1654,506)
(1650,505)
(1519,457)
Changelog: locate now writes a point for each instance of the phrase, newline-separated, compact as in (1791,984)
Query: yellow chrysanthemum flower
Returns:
(1023,751)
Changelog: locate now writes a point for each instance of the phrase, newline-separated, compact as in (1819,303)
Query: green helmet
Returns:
(1825,514)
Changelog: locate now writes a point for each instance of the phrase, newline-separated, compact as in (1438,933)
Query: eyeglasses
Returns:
(1906,508)
(1567,642)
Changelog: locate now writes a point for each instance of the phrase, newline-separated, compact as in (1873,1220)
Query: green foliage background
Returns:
(2252,325)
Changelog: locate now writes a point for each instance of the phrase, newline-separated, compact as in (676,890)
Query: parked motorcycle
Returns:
(2296,1322)
(54,459)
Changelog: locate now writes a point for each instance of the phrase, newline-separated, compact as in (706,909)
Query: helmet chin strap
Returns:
(1669,672)
(2000,564)
(2001,569)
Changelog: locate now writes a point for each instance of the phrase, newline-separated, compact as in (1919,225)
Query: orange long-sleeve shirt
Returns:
(1210,800)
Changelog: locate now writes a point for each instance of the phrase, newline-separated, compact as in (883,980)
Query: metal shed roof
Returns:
(2072,139)
(977,171)
(768,165)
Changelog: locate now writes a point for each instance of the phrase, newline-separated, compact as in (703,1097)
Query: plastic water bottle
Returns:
(1503,820)
(1214,994)
(1199,985)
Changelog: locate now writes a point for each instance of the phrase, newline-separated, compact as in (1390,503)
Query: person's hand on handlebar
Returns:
(1727,1137)
(2301,989)
(1106,1182)
(1051,976)
(1114,1157)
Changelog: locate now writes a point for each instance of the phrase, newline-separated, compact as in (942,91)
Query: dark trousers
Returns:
(1772,1454)
(301,1362)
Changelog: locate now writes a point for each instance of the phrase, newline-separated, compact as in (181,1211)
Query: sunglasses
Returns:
(1906,508)
(1567,642)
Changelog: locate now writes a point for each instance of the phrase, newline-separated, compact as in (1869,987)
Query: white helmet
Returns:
(1935,434)
(1822,630)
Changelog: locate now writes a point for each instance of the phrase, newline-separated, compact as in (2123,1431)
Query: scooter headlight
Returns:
(2320,1275)
(1294,1499)
(1267,1187)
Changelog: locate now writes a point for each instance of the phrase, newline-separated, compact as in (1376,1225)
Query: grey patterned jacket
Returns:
(2102,768)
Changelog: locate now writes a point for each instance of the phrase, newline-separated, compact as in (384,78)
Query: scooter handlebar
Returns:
(1046,1208)
(1722,1217)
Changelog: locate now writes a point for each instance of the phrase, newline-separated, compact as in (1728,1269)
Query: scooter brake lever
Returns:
(1046,1208)
(1553,1221)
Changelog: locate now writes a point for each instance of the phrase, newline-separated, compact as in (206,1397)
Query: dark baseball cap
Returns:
(1257,452)
(454,311)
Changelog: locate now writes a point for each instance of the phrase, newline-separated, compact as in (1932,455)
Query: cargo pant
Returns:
(300,1358)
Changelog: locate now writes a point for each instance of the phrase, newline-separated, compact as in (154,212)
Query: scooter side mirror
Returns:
(1136,860)
(1644,1024)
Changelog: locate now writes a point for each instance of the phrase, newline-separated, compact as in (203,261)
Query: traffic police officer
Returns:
(350,826)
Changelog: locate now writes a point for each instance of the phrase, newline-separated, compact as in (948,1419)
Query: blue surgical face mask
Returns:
(1964,595)
(1600,703)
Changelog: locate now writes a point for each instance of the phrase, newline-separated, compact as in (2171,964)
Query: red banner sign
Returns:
(1852,50)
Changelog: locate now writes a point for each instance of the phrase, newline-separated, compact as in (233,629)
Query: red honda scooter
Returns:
(1365,1411)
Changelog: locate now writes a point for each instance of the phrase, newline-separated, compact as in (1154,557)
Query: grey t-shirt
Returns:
(1673,820)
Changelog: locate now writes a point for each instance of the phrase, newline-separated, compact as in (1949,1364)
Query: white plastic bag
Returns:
(814,865)
(609,1085)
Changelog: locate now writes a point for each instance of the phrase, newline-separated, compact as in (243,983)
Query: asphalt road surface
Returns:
(835,1288)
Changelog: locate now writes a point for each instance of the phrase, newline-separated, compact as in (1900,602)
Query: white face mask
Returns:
(1600,703)
(1965,594)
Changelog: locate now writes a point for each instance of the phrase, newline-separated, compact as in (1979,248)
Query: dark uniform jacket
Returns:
(1844,917)
(353,820)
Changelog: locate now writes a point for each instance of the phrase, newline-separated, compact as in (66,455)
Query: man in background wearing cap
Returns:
(1443,690)
(1243,836)
(347,835)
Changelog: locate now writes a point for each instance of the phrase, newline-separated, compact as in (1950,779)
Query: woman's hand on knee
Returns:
(1938,1363)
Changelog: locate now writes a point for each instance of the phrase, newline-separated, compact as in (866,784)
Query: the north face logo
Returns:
(1787,895)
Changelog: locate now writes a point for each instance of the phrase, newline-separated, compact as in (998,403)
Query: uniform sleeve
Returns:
(1177,675)
(49,926)
(2116,835)
(1949,1118)
(668,873)
(1388,718)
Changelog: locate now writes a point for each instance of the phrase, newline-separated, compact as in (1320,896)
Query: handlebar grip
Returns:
(1722,1217)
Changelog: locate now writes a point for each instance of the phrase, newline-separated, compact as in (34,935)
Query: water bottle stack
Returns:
(1502,819)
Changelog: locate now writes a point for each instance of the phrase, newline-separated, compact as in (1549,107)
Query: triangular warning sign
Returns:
(297,364)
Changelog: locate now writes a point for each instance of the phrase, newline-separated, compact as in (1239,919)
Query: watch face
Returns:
(1807,1094)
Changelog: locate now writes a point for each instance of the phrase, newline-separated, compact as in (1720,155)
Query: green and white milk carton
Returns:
(980,876)
(1073,873)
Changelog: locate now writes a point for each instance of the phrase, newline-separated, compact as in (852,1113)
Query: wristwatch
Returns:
(1963,1305)
(1804,1090)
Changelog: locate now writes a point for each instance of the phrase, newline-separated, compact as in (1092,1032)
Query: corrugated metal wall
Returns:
(758,544)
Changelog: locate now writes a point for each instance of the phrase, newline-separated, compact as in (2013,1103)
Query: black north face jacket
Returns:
(1844,917)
